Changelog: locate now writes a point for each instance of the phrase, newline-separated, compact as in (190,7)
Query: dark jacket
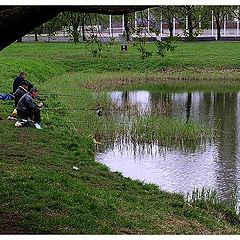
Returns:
(30,86)
(16,84)
(19,93)
(26,103)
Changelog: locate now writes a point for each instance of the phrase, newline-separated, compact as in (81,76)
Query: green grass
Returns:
(40,190)
(204,61)
(168,132)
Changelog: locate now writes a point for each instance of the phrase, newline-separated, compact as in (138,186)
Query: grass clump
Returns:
(169,132)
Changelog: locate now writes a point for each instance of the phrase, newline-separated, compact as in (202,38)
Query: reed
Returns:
(209,198)
(204,194)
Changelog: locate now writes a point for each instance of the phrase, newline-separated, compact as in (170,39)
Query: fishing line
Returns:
(56,94)
(71,109)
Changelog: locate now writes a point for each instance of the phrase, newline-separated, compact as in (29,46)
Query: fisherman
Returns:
(22,89)
(26,108)
(16,83)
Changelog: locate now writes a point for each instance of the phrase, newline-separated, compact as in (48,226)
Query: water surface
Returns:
(213,164)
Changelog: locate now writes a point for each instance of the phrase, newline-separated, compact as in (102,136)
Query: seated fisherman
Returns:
(26,108)
(16,83)
(22,89)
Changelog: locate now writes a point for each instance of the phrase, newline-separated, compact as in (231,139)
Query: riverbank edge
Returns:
(177,80)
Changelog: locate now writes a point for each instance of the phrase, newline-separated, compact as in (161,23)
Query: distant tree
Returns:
(167,13)
(197,18)
(54,25)
(37,31)
(220,13)
(190,17)
(73,21)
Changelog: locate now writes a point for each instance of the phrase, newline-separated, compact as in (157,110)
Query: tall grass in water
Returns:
(168,131)
(209,198)
(205,194)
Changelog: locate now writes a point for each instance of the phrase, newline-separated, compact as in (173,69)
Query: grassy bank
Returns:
(40,190)
(215,64)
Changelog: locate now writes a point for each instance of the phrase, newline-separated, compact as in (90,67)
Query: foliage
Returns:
(73,20)
(167,13)
(198,18)
(140,44)
(220,14)
(163,47)
(53,25)
(190,17)
(95,46)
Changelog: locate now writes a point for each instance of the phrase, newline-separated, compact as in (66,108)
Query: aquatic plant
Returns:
(203,194)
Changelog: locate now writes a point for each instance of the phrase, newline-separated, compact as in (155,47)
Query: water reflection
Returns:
(213,164)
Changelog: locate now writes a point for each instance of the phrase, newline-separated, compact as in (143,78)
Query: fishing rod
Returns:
(98,109)
(57,94)
(87,109)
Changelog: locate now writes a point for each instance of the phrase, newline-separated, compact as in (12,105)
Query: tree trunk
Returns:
(36,37)
(75,33)
(190,28)
(170,26)
(218,29)
(83,29)
(126,26)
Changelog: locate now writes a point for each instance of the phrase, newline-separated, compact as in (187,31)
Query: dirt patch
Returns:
(9,224)
(122,230)
(176,224)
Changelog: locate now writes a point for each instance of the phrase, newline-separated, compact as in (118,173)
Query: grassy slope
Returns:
(40,191)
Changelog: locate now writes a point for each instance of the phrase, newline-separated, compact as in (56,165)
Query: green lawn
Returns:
(40,190)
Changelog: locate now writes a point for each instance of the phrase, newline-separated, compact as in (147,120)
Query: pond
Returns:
(213,164)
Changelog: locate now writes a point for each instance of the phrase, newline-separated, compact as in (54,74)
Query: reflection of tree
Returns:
(188,106)
(160,102)
(207,103)
(225,108)
(125,97)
